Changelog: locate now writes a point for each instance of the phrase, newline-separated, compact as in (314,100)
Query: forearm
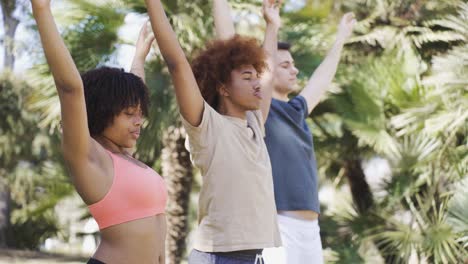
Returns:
(138,68)
(321,79)
(64,71)
(270,47)
(270,44)
(224,26)
(165,35)
(188,95)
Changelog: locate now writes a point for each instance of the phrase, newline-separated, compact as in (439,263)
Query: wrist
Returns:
(273,26)
(340,40)
(137,66)
(139,59)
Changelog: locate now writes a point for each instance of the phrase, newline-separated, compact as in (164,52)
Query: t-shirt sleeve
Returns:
(256,118)
(202,136)
(299,103)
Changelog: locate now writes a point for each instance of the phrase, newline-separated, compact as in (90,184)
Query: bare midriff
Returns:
(300,214)
(137,241)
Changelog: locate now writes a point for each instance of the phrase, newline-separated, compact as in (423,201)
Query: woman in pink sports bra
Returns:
(102,113)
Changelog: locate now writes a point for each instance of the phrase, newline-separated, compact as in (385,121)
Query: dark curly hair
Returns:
(108,91)
(212,67)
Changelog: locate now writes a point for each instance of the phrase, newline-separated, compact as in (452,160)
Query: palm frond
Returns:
(457,213)
(95,22)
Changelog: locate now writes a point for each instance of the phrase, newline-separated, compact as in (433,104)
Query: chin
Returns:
(130,144)
(255,105)
(292,87)
(251,107)
(286,89)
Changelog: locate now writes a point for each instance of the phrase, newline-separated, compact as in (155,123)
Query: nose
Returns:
(138,120)
(295,71)
(256,84)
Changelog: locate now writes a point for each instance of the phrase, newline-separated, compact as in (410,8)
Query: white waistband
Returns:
(308,224)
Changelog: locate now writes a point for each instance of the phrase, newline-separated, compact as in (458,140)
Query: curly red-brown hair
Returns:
(213,65)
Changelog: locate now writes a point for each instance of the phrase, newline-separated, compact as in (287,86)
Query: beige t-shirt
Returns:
(237,205)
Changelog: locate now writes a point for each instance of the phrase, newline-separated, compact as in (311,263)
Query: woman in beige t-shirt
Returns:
(223,104)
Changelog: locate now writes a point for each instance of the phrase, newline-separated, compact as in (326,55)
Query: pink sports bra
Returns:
(135,193)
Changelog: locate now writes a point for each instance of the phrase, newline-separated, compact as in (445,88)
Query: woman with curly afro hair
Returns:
(102,113)
(223,102)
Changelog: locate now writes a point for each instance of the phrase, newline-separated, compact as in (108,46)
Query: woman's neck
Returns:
(112,146)
(228,109)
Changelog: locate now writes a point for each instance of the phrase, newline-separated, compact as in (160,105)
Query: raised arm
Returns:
(143,47)
(270,45)
(324,74)
(224,26)
(187,92)
(76,137)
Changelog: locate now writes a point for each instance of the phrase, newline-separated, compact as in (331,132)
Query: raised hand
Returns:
(271,12)
(346,26)
(143,47)
(145,39)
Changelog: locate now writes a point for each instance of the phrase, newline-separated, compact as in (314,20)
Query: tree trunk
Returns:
(11,24)
(364,201)
(360,190)
(5,202)
(177,171)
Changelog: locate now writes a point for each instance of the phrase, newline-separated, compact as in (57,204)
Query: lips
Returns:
(258,94)
(136,134)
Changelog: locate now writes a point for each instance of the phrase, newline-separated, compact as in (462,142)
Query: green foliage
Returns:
(457,213)
(32,232)
(402,24)
(162,113)
(193,31)
(17,129)
(35,191)
(35,181)
(96,22)
(403,99)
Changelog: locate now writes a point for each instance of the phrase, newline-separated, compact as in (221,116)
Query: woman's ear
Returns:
(223,91)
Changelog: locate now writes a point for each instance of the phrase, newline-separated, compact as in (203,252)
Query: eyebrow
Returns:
(247,72)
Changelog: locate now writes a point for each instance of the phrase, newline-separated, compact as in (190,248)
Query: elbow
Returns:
(175,65)
(69,87)
(171,65)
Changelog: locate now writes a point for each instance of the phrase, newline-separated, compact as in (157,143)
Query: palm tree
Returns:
(363,118)
(177,168)
(386,24)
(412,216)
